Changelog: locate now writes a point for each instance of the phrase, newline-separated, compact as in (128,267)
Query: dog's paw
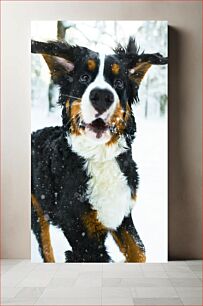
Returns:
(69,255)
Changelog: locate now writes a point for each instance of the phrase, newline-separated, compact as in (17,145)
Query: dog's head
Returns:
(97,90)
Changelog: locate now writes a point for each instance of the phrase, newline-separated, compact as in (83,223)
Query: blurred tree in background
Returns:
(153,37)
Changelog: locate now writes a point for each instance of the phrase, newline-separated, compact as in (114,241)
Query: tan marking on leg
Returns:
(94,227)
(128,247)
(45,235)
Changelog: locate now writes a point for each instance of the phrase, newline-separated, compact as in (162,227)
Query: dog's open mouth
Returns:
(98,126)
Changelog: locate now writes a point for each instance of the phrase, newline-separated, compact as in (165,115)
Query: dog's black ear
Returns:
(59,56)
(139,64)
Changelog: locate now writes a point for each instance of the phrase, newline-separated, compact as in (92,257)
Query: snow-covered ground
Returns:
(150,212)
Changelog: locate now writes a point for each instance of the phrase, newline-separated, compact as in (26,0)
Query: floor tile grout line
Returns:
(52,279)
(175,288)
(194,271)
(133,298)
(179,296)
(14,266)
(187,304)
(46,286)
(102,283)
(102,276)
(190,272)
(16,286)
(25,278)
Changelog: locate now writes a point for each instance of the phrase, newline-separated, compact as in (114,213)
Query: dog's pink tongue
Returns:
(98,126)
(99,134)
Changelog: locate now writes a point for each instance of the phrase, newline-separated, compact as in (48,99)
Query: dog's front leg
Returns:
(129,242)
(87,239)
(40,227)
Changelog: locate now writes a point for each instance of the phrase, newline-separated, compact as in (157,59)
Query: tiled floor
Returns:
(174,283)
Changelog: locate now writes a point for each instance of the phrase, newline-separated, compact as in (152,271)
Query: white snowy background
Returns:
(150,214)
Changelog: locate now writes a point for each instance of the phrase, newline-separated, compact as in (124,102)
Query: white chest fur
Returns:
(108,192)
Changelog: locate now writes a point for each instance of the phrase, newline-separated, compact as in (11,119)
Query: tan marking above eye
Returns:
(115,68)
(91,64)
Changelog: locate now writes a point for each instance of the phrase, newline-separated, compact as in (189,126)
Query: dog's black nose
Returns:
(101,99)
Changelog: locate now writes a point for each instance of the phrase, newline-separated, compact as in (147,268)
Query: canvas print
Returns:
(99,141)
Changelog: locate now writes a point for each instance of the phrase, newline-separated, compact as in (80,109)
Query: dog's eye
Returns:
(118,84)
(85,78)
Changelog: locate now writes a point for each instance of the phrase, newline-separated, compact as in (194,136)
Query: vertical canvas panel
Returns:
(99,141)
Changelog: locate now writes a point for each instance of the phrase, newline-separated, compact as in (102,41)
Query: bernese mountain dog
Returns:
(84,179)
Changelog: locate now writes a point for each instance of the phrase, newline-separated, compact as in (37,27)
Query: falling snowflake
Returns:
(46,217)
